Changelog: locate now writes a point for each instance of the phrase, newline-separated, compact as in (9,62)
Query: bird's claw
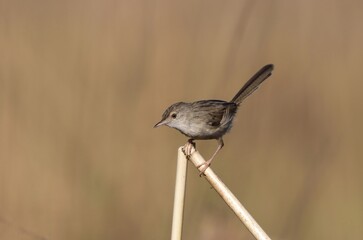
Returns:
(189,148)
(202,170)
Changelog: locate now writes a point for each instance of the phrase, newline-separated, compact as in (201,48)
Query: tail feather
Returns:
(252,84)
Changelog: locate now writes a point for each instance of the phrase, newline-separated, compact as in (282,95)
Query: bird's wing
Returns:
(213,111)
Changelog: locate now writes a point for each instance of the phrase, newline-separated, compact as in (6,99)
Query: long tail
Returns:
(252,84)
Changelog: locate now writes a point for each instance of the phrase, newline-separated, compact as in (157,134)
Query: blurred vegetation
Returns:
(83,82)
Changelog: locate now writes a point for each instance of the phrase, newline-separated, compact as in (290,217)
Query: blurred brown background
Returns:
(83,82)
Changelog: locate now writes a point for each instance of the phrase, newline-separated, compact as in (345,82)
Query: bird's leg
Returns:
(188,147)
(209,162)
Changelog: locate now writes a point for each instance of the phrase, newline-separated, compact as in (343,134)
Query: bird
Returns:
(210,119)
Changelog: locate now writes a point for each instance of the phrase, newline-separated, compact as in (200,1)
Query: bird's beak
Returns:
(162,122)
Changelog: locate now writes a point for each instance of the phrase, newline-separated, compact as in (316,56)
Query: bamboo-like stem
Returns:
(228,197)
(179,196)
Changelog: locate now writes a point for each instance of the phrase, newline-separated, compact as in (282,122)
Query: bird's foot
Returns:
(204,166)
(189,148)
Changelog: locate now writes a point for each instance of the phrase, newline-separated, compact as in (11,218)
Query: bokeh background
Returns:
(83,82)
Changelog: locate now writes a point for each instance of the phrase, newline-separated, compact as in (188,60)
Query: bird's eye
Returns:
(173,115)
